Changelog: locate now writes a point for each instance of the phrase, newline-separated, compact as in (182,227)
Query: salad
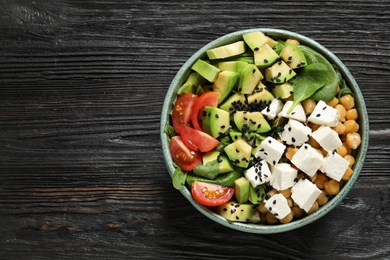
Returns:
(263,130)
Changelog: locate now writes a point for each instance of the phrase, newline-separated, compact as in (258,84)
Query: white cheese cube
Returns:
(308,159)
(295,133)
(305,193)
(258,173)
(278,206)
(270,150)
(327,138)
(298,113)
(324,115)
(273,109)
(283,176)
(334,166)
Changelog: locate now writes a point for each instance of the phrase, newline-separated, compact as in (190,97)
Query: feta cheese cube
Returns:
(324,115)
(334,166)
(308,159)
(295,133)
(258,173)
(270,150)
(278,206)
(283,176)
(297,113)
(327,138)
(305,193)
(273,109)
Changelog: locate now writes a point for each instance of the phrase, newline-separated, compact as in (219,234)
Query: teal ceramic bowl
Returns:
(180,78)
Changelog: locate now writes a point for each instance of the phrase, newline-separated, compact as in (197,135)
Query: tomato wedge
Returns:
(197,140)
(181,112)
(206,99)
(185,158)
(210,194)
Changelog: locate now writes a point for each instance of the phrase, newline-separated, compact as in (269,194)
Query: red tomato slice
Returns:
(209,194)
(181,112)
(185,158)
(197,140)
(206,99)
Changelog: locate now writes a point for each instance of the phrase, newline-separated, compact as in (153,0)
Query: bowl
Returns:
(180,78)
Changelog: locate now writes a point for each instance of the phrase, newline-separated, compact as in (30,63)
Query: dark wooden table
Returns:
(82,174)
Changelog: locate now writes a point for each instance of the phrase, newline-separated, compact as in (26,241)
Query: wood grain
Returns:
(82,84)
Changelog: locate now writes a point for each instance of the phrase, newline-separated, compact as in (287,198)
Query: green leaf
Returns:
(210,170)
(328,91)
(344,89)
(179,178)
(169,131)
(222,143)
(310,79)
(225,179)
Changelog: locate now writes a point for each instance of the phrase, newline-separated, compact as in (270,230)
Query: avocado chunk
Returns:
(293,56)
(283,91)
(236,212)
(280,72)
(237,100)
(260,95)
(251,122)
(239,153)
(241,189)
(192,82)
(257,39)
(206,70)
(215,121)
(265,56)
(224,84)
(256,194)
(222,160)
(249,78)
(229,50)
(252,139)
(235,66)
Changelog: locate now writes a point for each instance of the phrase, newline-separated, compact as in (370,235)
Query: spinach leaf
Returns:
(210,170)
(169,131)
(308,81)
(179,178)
(222,143)
(344,89)
(328,91)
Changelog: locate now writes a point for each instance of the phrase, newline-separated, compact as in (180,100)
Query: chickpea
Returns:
(261,208)
(342,151)
(270,218)
(297,211)
(353,140)
(286,193)
(349,149)
(332,187)
(290,202)
(351,114)
(313,208)
(287,218)
(339,128)
(322,199)
(351,126)
(313,143)
(347,175)
(308,105)
(350,159)
(333,102)
(342,111)
(348,101)
(320,180)
(290,152)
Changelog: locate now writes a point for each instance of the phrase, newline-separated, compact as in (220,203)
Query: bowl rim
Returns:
(359,103)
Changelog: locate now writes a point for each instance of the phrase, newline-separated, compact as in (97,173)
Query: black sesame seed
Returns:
(267,197)
(273,162)
(237,217)
(279,74)
(280,62)
(270,208)
(289,129)
(253,71)
(224,209)
(237,205)
(324,108)
(305,146)
(222,126)
(216,115)
(276,214)
(265,61)
(237,151)
(274,202)
(233,211)
(318,115)
(269,141)
(296,180)
(256,49)
(293,139)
